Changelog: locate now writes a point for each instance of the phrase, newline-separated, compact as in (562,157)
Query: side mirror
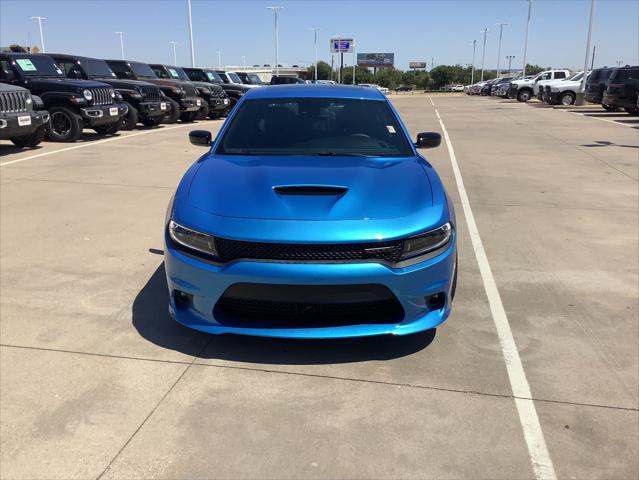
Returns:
(77,74)
(9,76)
(201,138)
(428,140)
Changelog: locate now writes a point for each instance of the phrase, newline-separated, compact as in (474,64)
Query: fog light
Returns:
(436,301)
(182,299)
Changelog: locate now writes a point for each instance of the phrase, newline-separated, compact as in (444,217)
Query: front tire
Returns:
(152,122)
(130,120)
(108,129)
(65,125)
(203,112)
(30,140)
(632,111)
(567,99)
(174,115)
(524,96)
(609,108)
(188,117)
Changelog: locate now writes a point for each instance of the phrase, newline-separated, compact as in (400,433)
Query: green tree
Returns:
(323,71)
(362,75)
(534,69)
(388,77)
(417,79)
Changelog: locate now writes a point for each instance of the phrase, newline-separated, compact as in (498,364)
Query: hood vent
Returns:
(310,190)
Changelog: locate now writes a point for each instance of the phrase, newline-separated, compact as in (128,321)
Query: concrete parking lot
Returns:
(98,382)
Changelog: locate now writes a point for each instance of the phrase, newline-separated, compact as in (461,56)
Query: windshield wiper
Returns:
(336,154)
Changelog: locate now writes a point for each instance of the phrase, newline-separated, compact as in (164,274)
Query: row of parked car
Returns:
(612,88)
(58,95)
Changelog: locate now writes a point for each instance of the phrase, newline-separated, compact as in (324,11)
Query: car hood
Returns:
(64,84)
(125,84)
(310,188)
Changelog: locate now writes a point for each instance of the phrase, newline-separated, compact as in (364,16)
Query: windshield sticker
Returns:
(390,129)
(173,73)
(26,65)
(210,75)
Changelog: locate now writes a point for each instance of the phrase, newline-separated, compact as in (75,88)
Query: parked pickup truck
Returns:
(180,94)
(524,90)
(145,101)
(23,118)
(564,92)
(234,91)
(72,104)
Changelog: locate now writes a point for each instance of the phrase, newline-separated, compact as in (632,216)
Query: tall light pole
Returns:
(354,62)
(39,19)
(174,53)
(483,53)
(244,60)
(523,70)
(219,59)
(501,28)
(619,62)
(582,89)
(277,44)
(315,30)
(472,72)
(191,34)
(510,59)
(121,43)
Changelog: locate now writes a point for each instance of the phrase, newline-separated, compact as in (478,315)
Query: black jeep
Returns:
(596,86)
(147,104)
(23,118)
(180,94)
(622,89)
(72,104)
(214,100)
(233,90)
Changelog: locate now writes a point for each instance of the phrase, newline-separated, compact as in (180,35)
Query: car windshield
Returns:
(254,79)
(38,65)
(234,78)
(213,76)
(142,70)
(177,73)
(576,77)
(315,126)
(97,68)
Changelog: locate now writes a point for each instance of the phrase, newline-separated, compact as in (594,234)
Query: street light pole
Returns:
(244,60)
(191,35)
(315,30)
(472,72)
(501,28)
(277,68)
(510,59)
(483,53)
(121,43)
(219,59)
(174,54)
(39,19)
(582,89)
(523,70)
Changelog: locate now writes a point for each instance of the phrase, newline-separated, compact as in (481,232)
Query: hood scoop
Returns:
(310,190)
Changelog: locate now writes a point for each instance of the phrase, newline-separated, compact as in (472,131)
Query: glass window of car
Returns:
(234,78)
(97,68)
(120,68)
(181,74)
(159,71)
(255,79)
(214,76)
(315,126)
(560,74)
(142,70)
(38,65)
(620,75)
(545,76)
(67,67)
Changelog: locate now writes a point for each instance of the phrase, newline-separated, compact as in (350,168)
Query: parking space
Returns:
(554,193)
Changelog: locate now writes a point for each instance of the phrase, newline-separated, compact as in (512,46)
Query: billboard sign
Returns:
(376,59)
(417,65)
(342,45)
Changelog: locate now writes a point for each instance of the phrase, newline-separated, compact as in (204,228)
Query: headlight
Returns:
(178,90)
(117,96)
(427,242)
(87,94)
(191,239)
(554,89)
(28,100)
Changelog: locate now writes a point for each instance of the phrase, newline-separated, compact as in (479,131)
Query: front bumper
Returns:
(553,98)
(15,124)
(618,101)
(103,114)
(154,109)
(219,103)
(205,283)
(190,104)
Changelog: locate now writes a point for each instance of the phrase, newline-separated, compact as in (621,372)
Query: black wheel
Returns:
(188,117)
(524,96)
(130,120)
(567,98)
(203,112)
(152,121)
(213,114)
(174,115)
(65,125)
(632,111)
(30,140)
(609,108)
(108,129)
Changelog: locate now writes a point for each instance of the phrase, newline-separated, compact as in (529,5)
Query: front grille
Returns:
(152,94)
(11,102)
(229,250)
(304,306)
(102,96)
(190,90)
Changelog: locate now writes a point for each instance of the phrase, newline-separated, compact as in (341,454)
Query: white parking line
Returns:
(602,119)
(90,144)
(533,435)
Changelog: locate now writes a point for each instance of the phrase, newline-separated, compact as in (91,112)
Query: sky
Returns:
(418,30)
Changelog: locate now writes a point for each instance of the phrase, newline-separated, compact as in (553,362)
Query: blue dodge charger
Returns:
(311,216)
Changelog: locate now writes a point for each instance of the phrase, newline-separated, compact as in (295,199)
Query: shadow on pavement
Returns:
(11,149)
(151,319)
(601,143)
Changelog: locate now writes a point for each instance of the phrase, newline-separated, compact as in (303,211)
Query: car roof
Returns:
(316,90)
